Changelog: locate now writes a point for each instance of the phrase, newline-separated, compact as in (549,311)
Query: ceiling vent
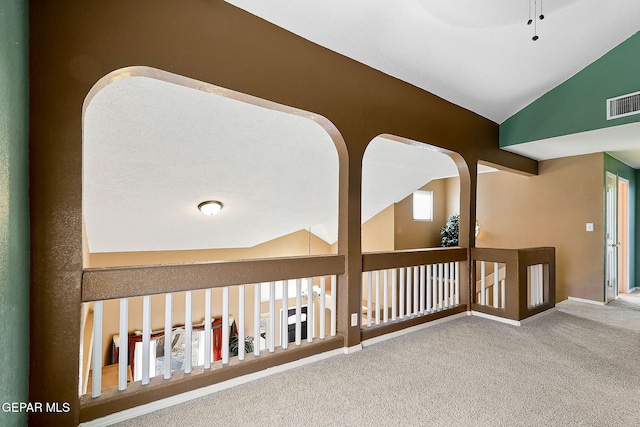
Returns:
(624,105)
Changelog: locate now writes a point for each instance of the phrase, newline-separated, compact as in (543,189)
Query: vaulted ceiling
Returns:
(477,54)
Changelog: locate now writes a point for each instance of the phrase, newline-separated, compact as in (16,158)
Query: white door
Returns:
(611,237)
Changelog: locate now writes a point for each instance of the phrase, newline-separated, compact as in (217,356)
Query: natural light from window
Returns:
(423,205)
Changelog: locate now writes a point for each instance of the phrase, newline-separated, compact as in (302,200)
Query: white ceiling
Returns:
(476,54)
(153,150)
(622,142)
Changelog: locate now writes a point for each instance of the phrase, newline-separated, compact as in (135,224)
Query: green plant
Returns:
(451,231)
(233,345)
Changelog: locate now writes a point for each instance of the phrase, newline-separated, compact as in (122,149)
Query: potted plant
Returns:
(450,231)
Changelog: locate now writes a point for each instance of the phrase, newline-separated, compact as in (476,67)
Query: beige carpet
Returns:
(577,366)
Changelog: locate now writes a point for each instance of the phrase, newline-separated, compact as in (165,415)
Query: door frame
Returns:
(610,237)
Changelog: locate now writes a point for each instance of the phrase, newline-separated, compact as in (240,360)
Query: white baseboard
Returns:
(496,318)
(537,316)
(401,332)
(587,301)
(353,349)
(194,394)
(635,289)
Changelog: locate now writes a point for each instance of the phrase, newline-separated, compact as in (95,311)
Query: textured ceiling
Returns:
(153,150)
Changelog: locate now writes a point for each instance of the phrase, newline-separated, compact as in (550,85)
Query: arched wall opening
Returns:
(394,170)
(156,145)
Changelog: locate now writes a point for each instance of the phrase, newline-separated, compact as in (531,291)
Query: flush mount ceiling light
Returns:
(210,207)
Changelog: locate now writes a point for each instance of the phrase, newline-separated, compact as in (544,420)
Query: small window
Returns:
(423,205)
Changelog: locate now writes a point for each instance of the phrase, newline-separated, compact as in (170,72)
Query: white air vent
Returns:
(624,105)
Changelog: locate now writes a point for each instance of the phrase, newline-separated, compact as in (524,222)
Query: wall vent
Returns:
(622,106)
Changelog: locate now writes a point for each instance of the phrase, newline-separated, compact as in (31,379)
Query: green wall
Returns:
(14,208)
(579,104)
(622,170)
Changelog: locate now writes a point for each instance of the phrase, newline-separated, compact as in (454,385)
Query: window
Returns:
(423,205)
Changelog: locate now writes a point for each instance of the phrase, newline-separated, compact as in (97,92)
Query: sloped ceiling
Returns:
(476,54)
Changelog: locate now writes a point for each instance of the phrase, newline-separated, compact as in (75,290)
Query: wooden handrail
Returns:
(124,282)
(373,261)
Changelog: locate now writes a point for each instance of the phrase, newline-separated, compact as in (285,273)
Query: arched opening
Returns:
(397,175)
(414,255)
(155,147)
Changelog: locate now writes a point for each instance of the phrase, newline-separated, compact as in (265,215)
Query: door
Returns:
(611,237)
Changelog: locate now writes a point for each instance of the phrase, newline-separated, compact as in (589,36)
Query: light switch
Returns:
(589,226)
(354,319)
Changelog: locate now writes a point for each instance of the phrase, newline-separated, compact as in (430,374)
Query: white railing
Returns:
(395,294)
(535,285)
(284,312)
(491,288)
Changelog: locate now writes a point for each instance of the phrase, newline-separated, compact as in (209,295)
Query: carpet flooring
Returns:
(577,366)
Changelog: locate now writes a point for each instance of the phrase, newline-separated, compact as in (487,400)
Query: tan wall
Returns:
(377,233)
(550,209)
(290,245)
(410,234)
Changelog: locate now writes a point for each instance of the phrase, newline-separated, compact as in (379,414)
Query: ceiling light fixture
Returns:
(535,18)
(210,207)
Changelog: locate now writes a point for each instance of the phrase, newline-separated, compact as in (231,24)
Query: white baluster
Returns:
(334,278)
(310,314)
(271,330)
(168,326)
(422,271)
(401,288)
(146,337)
(241,337)
(323,306)
(452,284)
(446,285)
(457,296)
(188,332)
(409,284)
(256,319)
(207,329)
(429,282)
(415,290)
(123,350)
(483,301)
(225,325)
(284,327)
(440,286)
(96,378)
(394,292)
(369,295)
(377,297)
(496,273)
(386,297)
(298,311)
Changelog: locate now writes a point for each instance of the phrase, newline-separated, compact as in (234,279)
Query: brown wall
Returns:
(550,209)
(74,43)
